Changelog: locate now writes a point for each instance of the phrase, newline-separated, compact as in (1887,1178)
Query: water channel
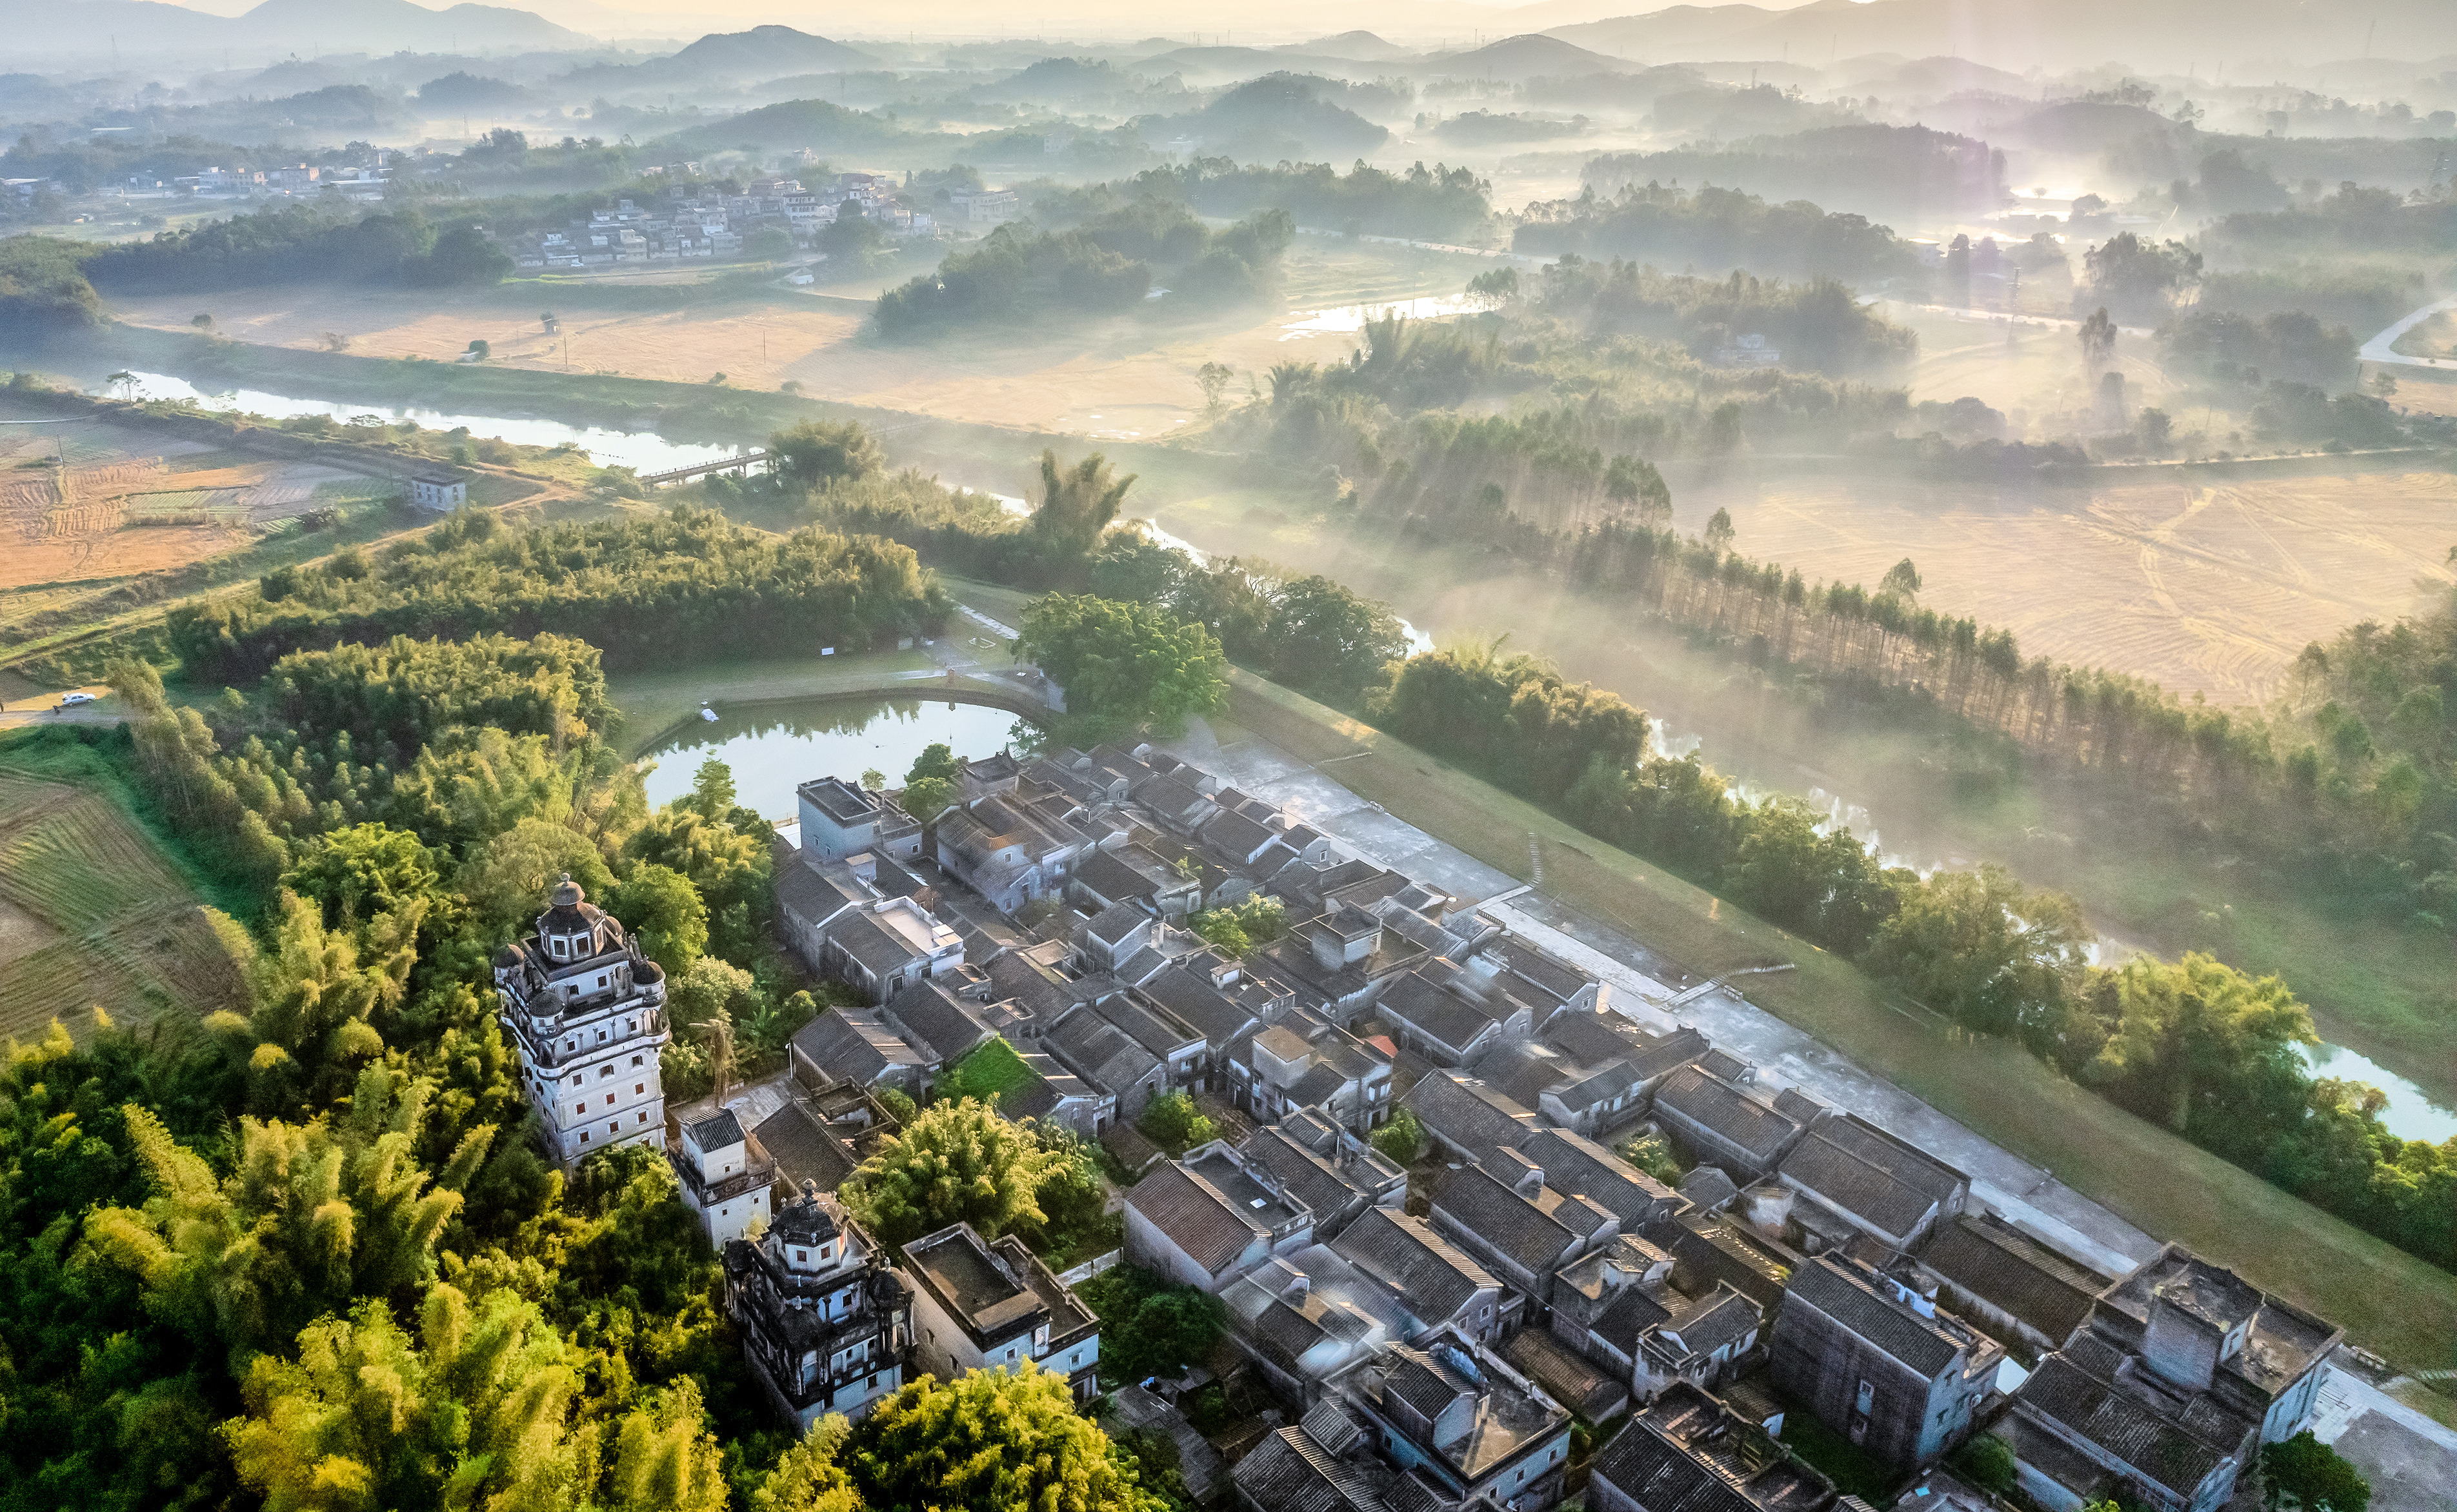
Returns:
(773,748)
(643,450)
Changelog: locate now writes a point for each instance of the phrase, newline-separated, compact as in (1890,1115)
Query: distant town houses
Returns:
(690,222)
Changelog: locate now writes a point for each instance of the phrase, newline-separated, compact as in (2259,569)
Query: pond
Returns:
(643,450)
(775,747)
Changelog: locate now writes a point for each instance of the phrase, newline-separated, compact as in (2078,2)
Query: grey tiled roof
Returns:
(1988,1259)
(716,1131)
(1473,1117)
(2126,1429)
(1205,1009)
(1583,1168)
(1288,1472)
(1884,1323)
(1435,1278)
(1509,1224)
(1193,1216)
(1858,1188)
(1720,1106)
(950,1027)
(803,1149)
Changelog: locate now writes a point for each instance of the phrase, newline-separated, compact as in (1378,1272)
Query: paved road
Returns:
(2378,348)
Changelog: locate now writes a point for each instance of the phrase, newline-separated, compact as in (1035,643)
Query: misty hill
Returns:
(461,93)
(819,125)
(2017,34)
(1278,116)
(765,50)
(145,27)
(1877,171)
(1362,46)
(1530,55)
(724,57)
(1063,79)
(1935,77)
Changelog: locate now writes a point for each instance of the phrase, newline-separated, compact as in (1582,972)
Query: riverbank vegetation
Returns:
(1106,264)
(687,586)
(2195,1045)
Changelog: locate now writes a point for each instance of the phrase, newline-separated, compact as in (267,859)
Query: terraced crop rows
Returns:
(122,931)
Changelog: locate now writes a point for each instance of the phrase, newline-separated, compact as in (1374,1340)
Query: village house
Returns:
(1208,1218)
(1686,1450)
(2168,1390)
(984,1305)
(1452,1410)
(1873,1356)
(725,1175)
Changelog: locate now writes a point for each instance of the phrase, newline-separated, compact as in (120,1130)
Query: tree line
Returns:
(1716,229)
(301,243)
(2195,1045)
(687,585)
(1105,264)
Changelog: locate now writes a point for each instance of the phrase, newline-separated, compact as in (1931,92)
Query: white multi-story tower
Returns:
(588,1012)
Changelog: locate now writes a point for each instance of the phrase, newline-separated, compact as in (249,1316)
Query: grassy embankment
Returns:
(2388,1300)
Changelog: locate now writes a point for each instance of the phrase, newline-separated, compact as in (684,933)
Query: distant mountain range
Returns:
(94,28)
(2021,34)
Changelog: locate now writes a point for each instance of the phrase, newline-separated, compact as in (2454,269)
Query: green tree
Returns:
(1402,1137)
(312,1216)
(990,1439)
(815,454)
(472,1411)
(925,796)
(358,873)
(1172,1122)
(956,1161)
(314,995)
(1075,505)
(2192,1038)
(507,879)
(1150,1326)
(664,1458)
(664,912)
(733,871)
(1213,377)
(769,244)
(1988,1462)
(810,1475)
(1324,637)
(1125,666)
(1979,947)
(938,759)
(2303,1472)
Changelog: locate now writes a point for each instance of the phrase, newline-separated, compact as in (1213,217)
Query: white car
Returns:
(73,699)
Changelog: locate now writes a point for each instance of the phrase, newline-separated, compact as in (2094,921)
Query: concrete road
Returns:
(2378,349)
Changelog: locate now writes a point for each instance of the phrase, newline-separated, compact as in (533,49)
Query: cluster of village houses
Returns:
(1427,1349)
(700,222)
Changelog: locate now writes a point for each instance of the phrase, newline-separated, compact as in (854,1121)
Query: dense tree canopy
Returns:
(1125,666)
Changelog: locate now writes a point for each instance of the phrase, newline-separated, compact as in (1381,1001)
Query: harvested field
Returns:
(92,915)
(90,500)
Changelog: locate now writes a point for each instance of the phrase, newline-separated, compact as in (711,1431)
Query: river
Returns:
(642,450)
